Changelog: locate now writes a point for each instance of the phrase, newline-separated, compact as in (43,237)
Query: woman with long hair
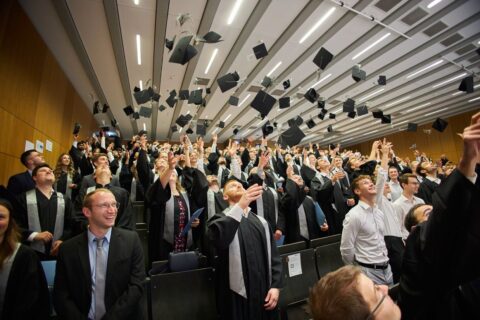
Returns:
(23,287)
(67,179)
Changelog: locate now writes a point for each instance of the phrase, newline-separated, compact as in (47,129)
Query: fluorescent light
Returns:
(433,3)
(248,130)
(460,92)
(321,80)
(140,84)
(449,80)
(214,54)
(244,99)
(371,94)
(426,68)
(430,113)
(188,111)
(136,2)
(385,36)
(474,99)
(216,129)
(420,106)
(367,133)
(228,117)
(398,101)
(319,22)
(234,12)
(144,127)
(400,123)
(179,131)
(347,139)
(274,68)
(139,51)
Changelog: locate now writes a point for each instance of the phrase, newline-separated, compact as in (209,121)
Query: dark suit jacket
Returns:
(426,190)
(124,280)
(20,182)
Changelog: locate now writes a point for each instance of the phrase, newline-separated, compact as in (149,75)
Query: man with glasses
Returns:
(100,272)
(407,200)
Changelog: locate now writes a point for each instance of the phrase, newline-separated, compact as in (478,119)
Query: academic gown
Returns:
(253,250)
(426,190)
(26,295)
(322,192)
(268,201)
(62,184)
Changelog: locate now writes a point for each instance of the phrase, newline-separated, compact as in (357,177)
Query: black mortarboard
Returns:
(156,97)
(323,111)
(235,131)
(263,103)
(211,37)
(183,51)
(362,110)
(128,110)
(144,95)
(267,129)
(358,74)
(201,129)
(291,137)
(189,130)
(182,120)
(295,121)
(76,128)
(284,102)
(321,115)
(208,90)
(173,93)
(195,97)
(233,101)
(311,124)
(105,108)
(368,168)
(183,94)
(260,51)
(188,117)
(105,128)
(173,128)
(332,115)
(330,128)
(171,101)
(311,95)
(136,89)
(169,43)
(321,103)
(228,81)
(349,105)
(377,114)
(286,84)
(440,124)
(96,108)
(136,116)
(466,85)
(145,112)
(382,80)
(161,107)
(412,127)
(114,122)
(221,124)
(323,58)
(204,102)
(386,118)
(266,82)
(352,114)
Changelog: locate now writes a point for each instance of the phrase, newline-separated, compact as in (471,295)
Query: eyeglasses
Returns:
(107,205)
(371,315)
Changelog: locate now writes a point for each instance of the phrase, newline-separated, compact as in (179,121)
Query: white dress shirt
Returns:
(392,223)
(395,189)
(362,236)
(402,206)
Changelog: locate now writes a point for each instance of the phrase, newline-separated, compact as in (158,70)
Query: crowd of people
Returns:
(413,222)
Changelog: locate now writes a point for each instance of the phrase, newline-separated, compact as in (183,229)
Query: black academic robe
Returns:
(76,155)
(426,190)
(20,182)
(26,295)
(442,254)
(253,250)
(61,184)
(268,201)
(322,191)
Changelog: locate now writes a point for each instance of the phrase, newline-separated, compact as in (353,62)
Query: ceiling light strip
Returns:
(426,68)
(140,84)
(228,117)
(316,25)
(385,36)
(234,12)
(244,99)
(474,99)
(371,94)
(214,54)
(433,4)
(398,101)
(430,113)
(139,51)
(274,68)
(420,106)
(321,80)
(460,92)
(449,80)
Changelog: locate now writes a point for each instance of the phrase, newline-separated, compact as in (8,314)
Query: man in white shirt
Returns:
(395,188)
(363,234)
(407,200)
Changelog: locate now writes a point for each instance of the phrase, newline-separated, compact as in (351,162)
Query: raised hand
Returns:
(250,195)
(471,147)
(172,161)
(263,160)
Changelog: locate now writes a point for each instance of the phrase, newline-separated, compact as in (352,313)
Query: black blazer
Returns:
(20,182)
(124,280)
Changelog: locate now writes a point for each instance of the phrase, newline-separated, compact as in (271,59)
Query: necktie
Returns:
(100,273)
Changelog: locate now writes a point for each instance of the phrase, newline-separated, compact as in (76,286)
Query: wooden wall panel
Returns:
(37,102)
(434,144)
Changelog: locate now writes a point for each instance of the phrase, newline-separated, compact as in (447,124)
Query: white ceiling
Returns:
(94,41)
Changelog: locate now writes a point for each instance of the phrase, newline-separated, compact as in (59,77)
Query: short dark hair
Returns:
(410,219)
(404,178)
(356,181)
(419,170)
(98,155)
(25,155)
(42,165)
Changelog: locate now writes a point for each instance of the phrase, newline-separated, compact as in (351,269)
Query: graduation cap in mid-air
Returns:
(323,58)
(291,137)
(440,124)
(263,103)
(183,51)
(260,51)
(228,81)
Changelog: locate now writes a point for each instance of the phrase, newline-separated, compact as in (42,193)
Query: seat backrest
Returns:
(184,295)
(143,235)
(139,209)
(299,275)
(292,247)
(328,258)
(325,240)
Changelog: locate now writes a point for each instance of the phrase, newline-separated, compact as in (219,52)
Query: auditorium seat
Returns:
(313,243)
(292,247)
(328,258)
(139,208)
(183,295)
(49,268)
(293,297)
(143,235)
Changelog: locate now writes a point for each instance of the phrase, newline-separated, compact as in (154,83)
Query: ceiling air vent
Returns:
(254,89)
(386,5)
(277,92)
(414,16)
(465,49)
(474,59)
(434,29)
(452,39)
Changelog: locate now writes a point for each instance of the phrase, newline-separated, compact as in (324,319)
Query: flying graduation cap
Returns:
(76,128)
(358,74)
(183,51)
(169,43)
(267,129)
(310,124)
(466,85)
(284,102)
(382,80)
(263,103)
(260,51)
(183,94)
(349,105)
(144,95)
(412,127)
(291,137)
(386,118)
(228,81)
(145,112)
(295,121)
(195,97)
(323,58)
(362,110)
(128,110)
(440,124)
(286,84)
(311,95)
(233,101)
(210,37)
(267,81)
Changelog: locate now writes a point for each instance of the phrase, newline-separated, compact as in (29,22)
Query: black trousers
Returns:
(395,249)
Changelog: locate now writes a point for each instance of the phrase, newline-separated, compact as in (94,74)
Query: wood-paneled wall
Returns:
(434,144)
(37,101)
